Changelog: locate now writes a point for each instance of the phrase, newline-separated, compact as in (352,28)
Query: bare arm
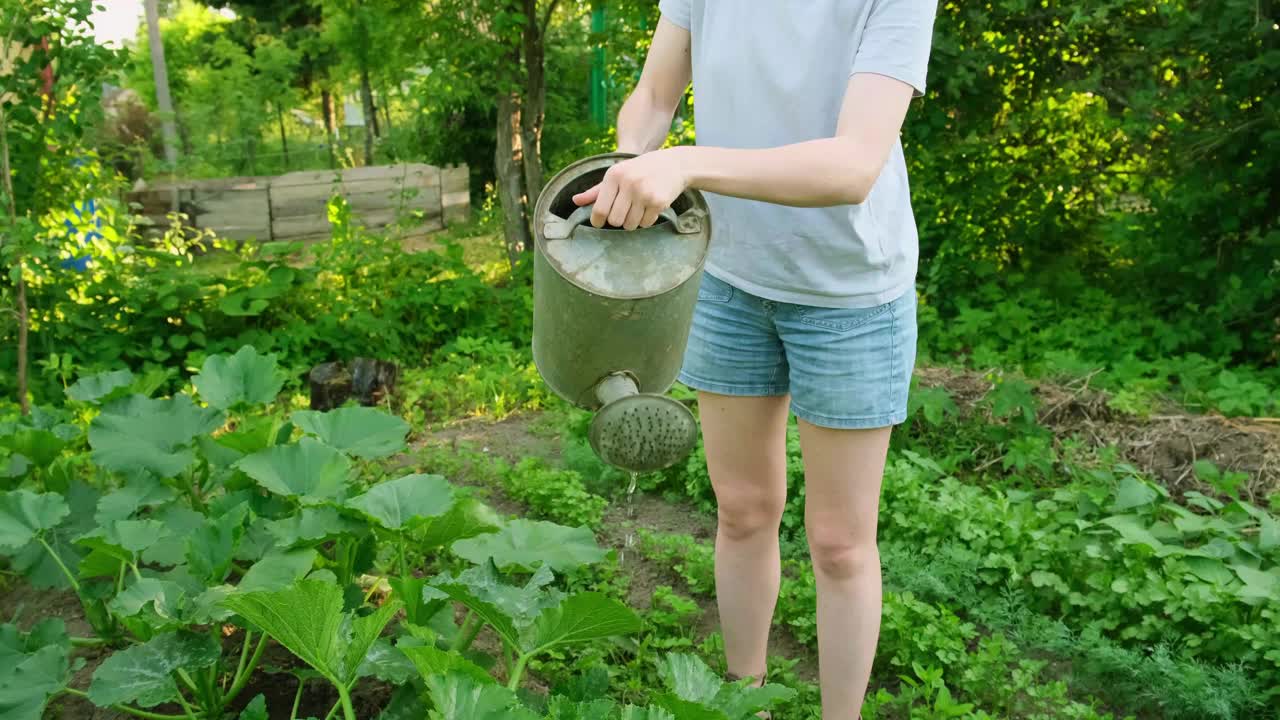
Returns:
(838,170)
(645,118)
(832,171)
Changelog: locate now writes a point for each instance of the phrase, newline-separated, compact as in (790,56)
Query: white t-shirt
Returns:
(774,72)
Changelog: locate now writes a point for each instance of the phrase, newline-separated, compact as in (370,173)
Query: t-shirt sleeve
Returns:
(897,40)
(677,11)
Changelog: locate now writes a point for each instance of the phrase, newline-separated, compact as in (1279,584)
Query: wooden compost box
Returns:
(425,198)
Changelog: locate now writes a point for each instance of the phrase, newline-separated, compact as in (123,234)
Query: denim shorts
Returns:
(845,368)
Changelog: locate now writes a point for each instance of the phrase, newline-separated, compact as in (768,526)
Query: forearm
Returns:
(643,123)
(817,173)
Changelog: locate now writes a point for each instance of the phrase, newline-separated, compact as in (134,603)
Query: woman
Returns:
(808,301)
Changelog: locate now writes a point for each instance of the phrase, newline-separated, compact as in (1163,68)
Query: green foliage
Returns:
(558,495)
(36,667)
(529,544)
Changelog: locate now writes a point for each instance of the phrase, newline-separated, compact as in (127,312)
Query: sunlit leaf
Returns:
(143,674)
(396,503)
(364,432)
(310,471)
(527,544)
(245,378)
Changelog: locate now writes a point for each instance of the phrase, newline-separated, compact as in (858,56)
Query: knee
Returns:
(745,515)
(839,553)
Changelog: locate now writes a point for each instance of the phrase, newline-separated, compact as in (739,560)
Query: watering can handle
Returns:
(558,228)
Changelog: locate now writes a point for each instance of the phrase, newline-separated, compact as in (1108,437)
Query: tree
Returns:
(49,69)
(503,44)
(161,73)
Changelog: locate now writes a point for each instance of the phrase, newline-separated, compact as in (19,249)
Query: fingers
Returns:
(586,197)
(621,207)
(650,216)
(605,198)
(634,216)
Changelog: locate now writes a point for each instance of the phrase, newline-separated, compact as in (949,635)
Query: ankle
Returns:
(757,679)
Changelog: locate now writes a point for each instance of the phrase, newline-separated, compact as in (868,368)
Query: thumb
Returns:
(588,196)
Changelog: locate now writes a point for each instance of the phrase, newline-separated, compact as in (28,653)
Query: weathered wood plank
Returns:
(299,227)
(455,179)
(246,203)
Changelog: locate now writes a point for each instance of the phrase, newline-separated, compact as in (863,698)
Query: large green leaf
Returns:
(431,661)
(24,515)
(40,568)
(143,674)
(310,471)
(307,618)
(361,431)
(1210,570)
(387,663)
(697,692)
(1133,531)
(406,704)
(499,620)
(142,434)
(41,447)
(132,536)
(396,503)
(1259,586)
(1268,527)
(100,387)
(227,381)
(212,547)
(164,596)
(522,604)
(584,617)
(468,517)
(278,570)
(311,524)
(137,493)
(460,697)
(179,522)
(27,681)
(527,544)
(1133,493)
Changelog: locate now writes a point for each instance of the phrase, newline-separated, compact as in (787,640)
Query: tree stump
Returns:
(330,386)
(368,380)
(372,381)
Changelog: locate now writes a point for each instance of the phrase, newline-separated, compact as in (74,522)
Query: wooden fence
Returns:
(425,198)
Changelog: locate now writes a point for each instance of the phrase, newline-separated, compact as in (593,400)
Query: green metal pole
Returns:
(599,99)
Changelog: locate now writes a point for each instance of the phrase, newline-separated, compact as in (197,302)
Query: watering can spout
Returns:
(612,314)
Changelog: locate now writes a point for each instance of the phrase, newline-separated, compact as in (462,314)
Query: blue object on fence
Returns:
(90,208)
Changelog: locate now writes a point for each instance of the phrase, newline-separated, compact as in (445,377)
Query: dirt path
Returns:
(1165,445)
(519,436)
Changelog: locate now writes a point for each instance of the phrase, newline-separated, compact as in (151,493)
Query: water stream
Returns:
(631,519)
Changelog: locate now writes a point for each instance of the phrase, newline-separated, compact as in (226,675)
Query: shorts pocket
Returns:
(841,319)
(714,289)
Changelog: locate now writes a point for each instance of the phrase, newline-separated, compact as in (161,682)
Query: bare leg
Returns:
(843,472)
(745,439)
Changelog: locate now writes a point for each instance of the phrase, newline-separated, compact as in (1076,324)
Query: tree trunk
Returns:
(386,111)
(24,320)
(509,167)
(284,138)
(161,74)
(370,115)
(327,109)
(534,102)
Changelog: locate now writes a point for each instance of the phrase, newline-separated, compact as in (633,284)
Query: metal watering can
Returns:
(612,310)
